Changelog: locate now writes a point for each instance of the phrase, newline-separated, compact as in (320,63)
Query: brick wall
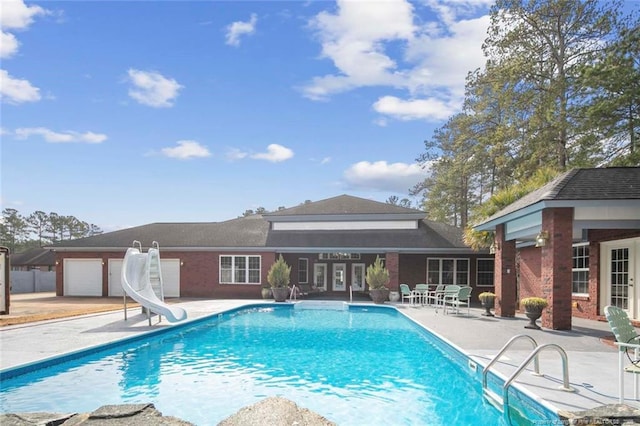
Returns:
(505,275)
(529,270)
(555,268)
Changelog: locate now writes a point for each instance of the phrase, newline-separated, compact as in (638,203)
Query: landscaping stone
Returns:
(611,414)
(273,411)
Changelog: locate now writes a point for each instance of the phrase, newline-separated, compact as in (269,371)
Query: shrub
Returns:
(534,303)
(377,275)
(279,274)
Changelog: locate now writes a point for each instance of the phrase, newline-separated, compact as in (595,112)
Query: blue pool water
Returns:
(365,365)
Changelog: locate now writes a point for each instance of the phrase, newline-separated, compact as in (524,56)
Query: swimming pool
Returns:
(363,365)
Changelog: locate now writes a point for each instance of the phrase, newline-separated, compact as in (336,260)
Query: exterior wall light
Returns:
(542,239)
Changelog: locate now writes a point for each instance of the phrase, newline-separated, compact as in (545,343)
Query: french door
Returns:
(320,276)
(620,276)
(339,277)
(358,276)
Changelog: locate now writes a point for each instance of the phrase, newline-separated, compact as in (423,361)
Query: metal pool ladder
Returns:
(502,402)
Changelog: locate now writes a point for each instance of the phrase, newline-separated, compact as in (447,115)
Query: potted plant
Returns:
(266,291)
(487,299)
(533,307)
(378,277)
(278,277)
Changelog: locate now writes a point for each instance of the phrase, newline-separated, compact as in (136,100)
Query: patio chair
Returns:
(420,292)
(435,296)
(449,292)
(456,299)
(406,293)
(626,339)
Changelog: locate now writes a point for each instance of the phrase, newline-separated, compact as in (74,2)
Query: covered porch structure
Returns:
(575,242)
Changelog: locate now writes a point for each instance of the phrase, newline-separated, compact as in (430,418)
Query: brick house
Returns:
(328,244)
(38,258)
(575,242)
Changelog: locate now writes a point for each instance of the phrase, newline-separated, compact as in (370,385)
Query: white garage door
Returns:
(115,280)
(82,277)
(170,277)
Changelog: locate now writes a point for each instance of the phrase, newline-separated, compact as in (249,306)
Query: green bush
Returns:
(377,275)
(279,274)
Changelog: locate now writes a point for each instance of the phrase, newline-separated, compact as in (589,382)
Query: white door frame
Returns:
(339,277)
(115,277)
(358,274)
(630,277)
(316,269)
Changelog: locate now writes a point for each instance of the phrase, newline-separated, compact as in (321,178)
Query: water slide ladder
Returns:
(155,278)
(502,402)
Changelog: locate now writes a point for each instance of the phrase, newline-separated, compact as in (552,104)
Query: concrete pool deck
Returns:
(592,358)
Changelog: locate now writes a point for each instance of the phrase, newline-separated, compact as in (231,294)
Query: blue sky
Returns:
(126,113)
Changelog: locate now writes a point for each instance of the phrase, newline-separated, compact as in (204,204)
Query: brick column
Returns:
(555,267)
(392,263)
(505,275)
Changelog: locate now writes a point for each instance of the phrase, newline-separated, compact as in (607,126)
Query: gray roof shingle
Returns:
(343,204)
(34,257)
(612,183)
(254,232)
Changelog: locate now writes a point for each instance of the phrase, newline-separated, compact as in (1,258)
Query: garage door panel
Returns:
(170,277)
(82,277)
(115,277)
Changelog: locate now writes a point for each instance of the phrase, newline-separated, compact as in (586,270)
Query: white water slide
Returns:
(142,281)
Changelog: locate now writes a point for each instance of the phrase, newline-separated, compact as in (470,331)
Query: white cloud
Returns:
(8,45)
(415,109)
(16,91)
(234,154)
(391,45)
(239,29)
(382,176)
(186,150)
(15,15)
(444,60)
(152,88)
(60,137)
(354,38)
(275,153)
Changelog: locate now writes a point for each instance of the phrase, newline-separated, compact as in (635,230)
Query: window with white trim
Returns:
(448,271)
(303,271)
(580,269)
(485,272)
(239,269)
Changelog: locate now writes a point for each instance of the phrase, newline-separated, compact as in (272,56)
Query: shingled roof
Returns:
(34,257)
(612,183)
(255,233)
(344,204)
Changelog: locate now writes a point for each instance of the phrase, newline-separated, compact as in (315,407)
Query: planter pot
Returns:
(394,296)
(487,304)
(379,296)
(533,315)
(266,293)
(280,293)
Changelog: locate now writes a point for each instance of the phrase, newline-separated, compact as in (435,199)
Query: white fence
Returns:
(33,281)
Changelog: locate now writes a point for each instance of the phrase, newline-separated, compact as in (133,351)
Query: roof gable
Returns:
(256,232)
(343,205)
(577,187)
